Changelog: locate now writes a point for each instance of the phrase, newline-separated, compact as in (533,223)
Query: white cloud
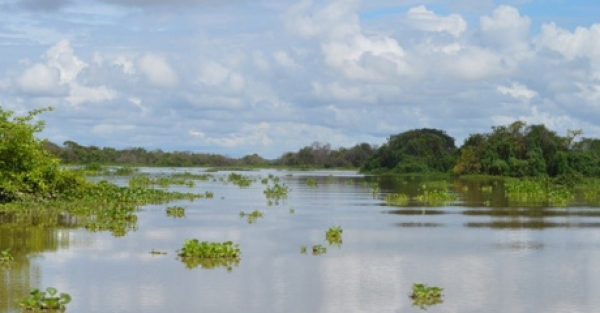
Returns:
(157,70)
(61,56)
(40,80)
(344,45)
(474,63)
(250,135)
(582,42)
(518,91)
(284,59)
(506,30)
(82,94)
(423,19)
(112,129)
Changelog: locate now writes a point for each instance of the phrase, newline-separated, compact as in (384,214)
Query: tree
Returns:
(27,170)
(419,150)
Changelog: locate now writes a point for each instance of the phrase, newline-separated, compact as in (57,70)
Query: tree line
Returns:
(516,150)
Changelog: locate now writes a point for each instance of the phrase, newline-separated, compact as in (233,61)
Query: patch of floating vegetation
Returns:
(276,192)
(315,249)
(532,212)
(537,191)
(424,295)
(421,211)
(333,235)
(209,255)
(100,206)
(418,225)
(176,211)
(45,301)
(436,197)
(252,216)
(311,182)
(188,175)
(164,182)
(530,224)
(239,179)
(6,256)
(396,199)
(157,252)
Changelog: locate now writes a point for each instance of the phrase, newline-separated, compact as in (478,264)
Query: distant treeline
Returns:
(318,155)
(516,150)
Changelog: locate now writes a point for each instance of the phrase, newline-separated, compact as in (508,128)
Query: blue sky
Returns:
(237,77)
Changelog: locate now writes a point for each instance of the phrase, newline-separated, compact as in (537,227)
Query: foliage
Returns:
(423,295)
(311,182)
(537,191)
(239,179)
(252,216)
(315,249)
(415,151)
(333,235)
(436,197)
(6,256)
(45,300)
(518,150)
(27,171)
(176,211)
(209,255)
(193,248)
(396,199)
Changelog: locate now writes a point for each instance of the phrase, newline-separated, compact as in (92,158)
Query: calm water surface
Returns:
(484,262)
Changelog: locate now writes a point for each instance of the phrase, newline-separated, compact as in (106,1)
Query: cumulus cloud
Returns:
(518,91)
(82,94)
(344,45)
(423,19)
(506,30)
(250,135)
(157,70)
(40,80)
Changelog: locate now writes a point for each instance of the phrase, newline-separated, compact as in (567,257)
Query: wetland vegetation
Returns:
(520,178)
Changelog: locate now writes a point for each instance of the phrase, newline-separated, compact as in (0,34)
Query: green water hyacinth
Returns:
(396,199)
(209,254)
(424,295)
(252,216)
(176,211)
(45,300)
(334,235)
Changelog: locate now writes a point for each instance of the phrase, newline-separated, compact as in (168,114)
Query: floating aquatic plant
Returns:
(45,300)
(334,235)
(176,211)
(209,254)
(396,199)
(424,295)
(252,216)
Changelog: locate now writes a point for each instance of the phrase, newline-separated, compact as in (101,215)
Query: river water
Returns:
(485,262)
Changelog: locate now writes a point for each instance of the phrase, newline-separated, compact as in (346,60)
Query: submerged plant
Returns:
(45,300)
(423,295)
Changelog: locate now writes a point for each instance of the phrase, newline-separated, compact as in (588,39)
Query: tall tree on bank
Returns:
(27,170)
(414,151)
(519,150)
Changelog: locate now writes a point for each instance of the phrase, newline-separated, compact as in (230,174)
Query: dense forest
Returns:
(515,150)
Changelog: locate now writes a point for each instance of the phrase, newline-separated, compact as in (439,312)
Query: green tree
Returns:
(27,170)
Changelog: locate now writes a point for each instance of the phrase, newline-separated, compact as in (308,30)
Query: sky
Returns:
(239,77)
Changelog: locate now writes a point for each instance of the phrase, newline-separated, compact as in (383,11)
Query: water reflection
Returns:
(487,258)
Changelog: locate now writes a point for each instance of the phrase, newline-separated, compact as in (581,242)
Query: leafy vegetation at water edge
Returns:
(45,300)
